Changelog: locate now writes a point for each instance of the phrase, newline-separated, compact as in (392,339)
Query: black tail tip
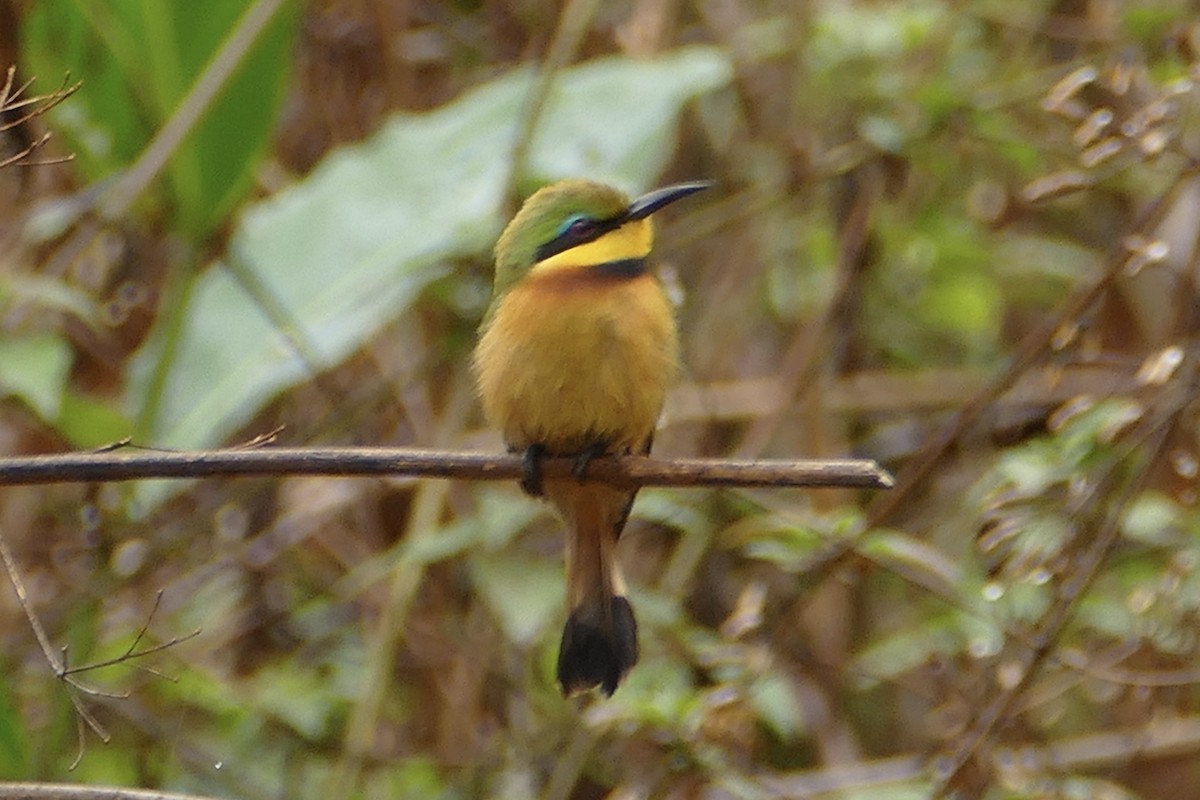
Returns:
(594,653)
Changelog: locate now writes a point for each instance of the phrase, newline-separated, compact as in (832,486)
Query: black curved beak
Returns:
(647,204)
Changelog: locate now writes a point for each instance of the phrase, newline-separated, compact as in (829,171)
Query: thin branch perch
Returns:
(74,791)
(626,471)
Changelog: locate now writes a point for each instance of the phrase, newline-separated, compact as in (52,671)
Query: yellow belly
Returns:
(566,363)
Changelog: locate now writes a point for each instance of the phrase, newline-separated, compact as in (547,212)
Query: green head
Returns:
(577,213)
(545,216)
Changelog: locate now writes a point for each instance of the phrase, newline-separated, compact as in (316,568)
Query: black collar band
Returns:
(625,268)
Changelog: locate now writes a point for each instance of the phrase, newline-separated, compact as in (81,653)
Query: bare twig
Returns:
(59,663)
(131,653)
(626,471)
(71,791)
(14,575)
(11,100)
(21,158)
(83,715)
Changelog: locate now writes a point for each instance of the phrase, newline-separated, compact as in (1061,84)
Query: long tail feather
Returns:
(599,642)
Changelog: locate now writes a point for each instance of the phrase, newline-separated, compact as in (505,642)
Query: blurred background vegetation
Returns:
(959,237)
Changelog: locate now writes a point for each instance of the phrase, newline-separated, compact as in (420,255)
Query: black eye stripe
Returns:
(581,227)
(581,231)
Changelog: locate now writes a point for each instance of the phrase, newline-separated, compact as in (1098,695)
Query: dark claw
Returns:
(531,470)
(585,456)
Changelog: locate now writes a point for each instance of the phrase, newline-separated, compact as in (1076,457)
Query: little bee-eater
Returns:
(575,356)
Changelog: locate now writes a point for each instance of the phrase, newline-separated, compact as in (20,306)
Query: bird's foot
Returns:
(531,470)
(585,456)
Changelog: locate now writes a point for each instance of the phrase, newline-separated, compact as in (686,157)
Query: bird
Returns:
(575,355)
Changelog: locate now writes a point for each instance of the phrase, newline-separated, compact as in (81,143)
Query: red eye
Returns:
(580,227)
